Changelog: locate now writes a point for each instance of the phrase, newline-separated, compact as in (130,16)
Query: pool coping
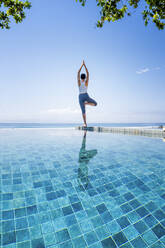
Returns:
(157,133)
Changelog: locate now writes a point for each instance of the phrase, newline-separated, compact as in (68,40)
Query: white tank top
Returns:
(82,87)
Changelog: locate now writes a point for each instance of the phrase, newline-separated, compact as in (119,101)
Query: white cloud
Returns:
(146,69)
(142,70)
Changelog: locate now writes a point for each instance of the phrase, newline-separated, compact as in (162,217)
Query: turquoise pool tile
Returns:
(151,206)
(74,198)
(54,204)
(142,211)
(21,223)
(130,232)
(62,235)
(26,244)
(7,196)
(49,239)
(67,210)
(128,196)
(159,215)
(163,207)
(51,196)
(81,215)
(8,238)
(108,243)
(32,210)
(159,230)
(116,212)
(157,245)
(11,246)
(29,193)
(44,217)
(87,204)
(138,242)
(123,189)
(134,203)
(91,238)
(126,208)
(35,232)
(47,227)
(97,199)
(96,245)
(113,227)
(74,231)
(149,237)
(18,203)
(42,207)
(133,217)
(38,243)
(22,235)
(59,224)
(7,215)
(56,213)
(150,220)
(67,244)
(106,217)
(77,206)
(163,223)
(33,220)
(119,238)
(30,201)
(101,208)
(70,220)
(140,226)
(20,212)
(8,226)
(91,212)
(102,232)
(163,240)
(97,221)
(86,226)
(127,245)
(120,200)
(114,193)
(6,176)
(123,222)
(79,242)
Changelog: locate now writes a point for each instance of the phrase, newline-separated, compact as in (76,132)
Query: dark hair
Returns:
(83,76)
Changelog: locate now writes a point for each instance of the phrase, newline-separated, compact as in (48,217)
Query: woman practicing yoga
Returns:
(84,98)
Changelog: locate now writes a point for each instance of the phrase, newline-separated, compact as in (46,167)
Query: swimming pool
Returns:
(63,188)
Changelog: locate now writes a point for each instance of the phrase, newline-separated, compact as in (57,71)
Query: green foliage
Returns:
(110,10)
(12,8)
(113,10)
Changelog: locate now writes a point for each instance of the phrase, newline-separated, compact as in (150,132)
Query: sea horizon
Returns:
(72,125)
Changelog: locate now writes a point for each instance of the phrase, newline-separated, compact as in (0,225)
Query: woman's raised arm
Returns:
(87,72)
(78,74)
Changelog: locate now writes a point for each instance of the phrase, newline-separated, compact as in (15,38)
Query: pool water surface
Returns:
(65,188)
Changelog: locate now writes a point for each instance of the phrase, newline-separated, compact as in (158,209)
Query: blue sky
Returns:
(41,56)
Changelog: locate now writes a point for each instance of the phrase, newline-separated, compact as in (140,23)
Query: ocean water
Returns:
(72,125)
(66,188)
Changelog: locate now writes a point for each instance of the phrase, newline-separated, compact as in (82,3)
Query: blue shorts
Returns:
(85,98)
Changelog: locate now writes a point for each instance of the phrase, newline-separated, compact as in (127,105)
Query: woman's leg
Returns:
(90,102)
(84,119)
(82,106)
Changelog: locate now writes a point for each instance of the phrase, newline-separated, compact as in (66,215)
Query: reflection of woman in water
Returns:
(84,158)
